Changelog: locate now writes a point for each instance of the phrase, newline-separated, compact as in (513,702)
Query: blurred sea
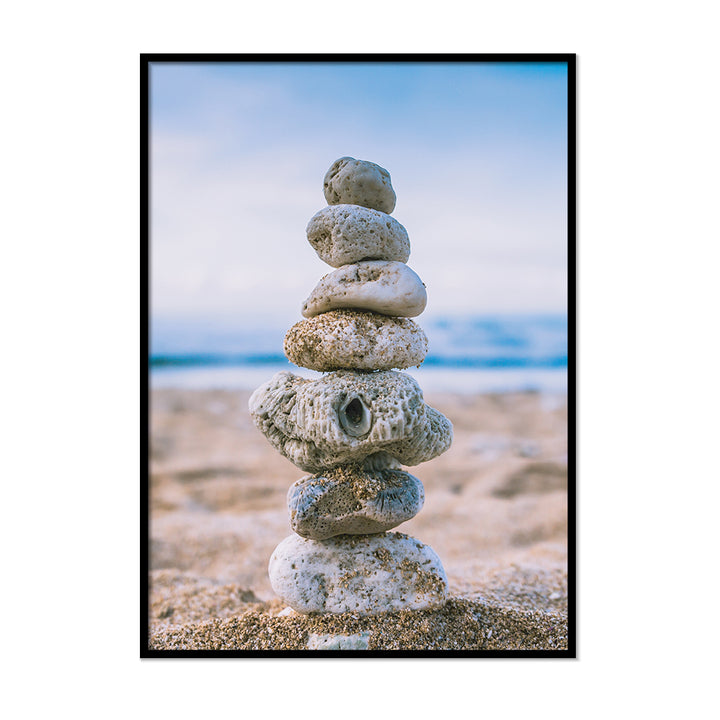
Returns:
(466,354)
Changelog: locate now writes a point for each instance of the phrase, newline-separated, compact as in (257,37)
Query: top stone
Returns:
(359,182)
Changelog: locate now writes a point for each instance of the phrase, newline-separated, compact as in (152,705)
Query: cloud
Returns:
(237,168)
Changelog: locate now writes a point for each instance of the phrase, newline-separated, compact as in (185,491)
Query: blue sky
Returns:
(477,154)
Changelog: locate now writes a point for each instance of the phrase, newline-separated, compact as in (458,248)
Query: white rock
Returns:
(344,234)
(358,641)
(355,340)
(381,286)
(352,501)
(363,574)
(349,417)
(359,182)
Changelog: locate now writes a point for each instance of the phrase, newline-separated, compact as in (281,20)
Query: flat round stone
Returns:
(344,234)
(348,500)
(355,340)
(359,182)
(381,286)
(362,574)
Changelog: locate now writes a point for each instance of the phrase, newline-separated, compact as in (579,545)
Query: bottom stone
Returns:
(365,574)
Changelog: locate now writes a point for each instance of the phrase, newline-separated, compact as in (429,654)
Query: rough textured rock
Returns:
(343,234)
(355,340)
(352,501)
(381,286)
(359,182)
(363,574)
(349,417)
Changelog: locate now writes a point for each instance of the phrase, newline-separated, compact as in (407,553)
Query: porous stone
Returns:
(343,234)
(351,501)
(349,417)
(359,182)
(363,574)
(355,340)
(382,286)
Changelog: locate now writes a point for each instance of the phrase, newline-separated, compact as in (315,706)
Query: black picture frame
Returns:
(146,61)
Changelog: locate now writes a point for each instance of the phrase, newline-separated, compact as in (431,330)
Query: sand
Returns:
(495,512)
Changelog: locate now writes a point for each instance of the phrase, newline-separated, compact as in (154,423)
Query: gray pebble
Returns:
(351,501)
(359,182)
(344,234)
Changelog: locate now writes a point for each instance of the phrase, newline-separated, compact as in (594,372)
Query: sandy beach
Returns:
(495,512)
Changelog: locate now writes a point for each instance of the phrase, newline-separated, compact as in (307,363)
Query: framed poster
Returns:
(358,355)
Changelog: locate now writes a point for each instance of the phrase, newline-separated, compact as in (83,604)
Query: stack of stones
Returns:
(353,427)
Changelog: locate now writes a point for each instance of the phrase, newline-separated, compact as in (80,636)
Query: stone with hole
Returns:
(317,424)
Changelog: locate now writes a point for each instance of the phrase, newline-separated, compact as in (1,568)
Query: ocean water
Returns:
(466,354)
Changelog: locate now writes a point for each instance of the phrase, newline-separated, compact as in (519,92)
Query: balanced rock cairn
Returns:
(354,427)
